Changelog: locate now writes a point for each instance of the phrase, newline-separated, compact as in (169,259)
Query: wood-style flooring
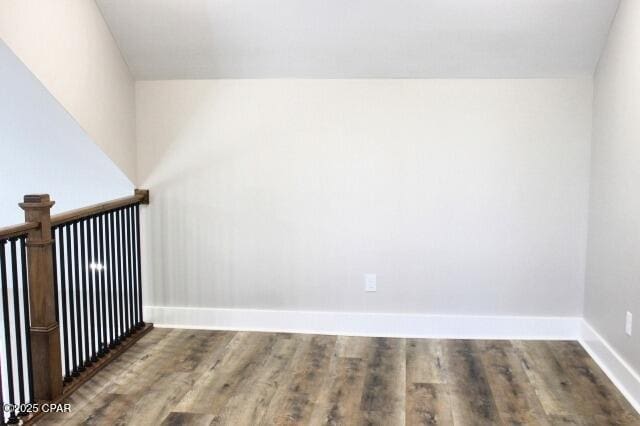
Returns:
(190,377)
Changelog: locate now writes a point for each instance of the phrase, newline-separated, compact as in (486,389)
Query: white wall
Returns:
(45,151)
(68,46)
(613,274)
(464,196)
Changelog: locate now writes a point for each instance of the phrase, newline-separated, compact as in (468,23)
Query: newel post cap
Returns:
(36,201)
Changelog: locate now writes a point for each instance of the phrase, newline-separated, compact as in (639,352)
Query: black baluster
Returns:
(78,290)
(55,272)
(139,266)
(123,278)
(97,280)
(114,277)
(134,273)
(64,324)
(130,268)
(72,302)
(118,268)
(103,283)
(7,329)
(86,303)
(56,283)
(27,322)
(108,279)
(125,270)
(91,302)
(16,319)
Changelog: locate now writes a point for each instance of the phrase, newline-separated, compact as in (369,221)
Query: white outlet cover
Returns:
(370,282)
(628,326)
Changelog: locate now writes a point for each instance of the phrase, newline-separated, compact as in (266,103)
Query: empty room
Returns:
(320,212)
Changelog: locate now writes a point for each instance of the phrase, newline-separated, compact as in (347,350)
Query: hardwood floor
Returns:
(189,377)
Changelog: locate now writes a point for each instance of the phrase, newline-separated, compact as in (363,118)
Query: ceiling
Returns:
(201,39)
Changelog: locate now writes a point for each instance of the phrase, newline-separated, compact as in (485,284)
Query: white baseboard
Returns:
(368,324)
(626,379)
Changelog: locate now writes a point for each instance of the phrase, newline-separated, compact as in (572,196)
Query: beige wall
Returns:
(464,196)
(69,48)
(613,274)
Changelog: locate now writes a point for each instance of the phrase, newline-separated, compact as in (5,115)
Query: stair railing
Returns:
(71,298)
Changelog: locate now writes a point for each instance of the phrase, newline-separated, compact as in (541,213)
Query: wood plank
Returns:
(110,409)
(142,369)
(250,401)
(158,401)
(295,400)
(150,368)
(513,394)
(352,347)
(243,358)
(339,399)
(191,419)
(425,361)
(428,404)
(383,397)
(597,396)
(553,385)
(472,400)
(427,395)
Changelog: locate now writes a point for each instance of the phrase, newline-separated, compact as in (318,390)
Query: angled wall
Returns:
(44,149)
(69,48)
(613,269)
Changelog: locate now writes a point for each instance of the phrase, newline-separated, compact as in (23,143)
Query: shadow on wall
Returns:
(462,196)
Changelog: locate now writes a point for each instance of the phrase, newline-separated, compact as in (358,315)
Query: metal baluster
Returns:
(114,279)
(55,272)
(134,273)
(118,268)
(27,322)
(7,329)
(139,266)
(98,284)
(72,302)
(78,291)
(92,315)
(103,283)
(64,324)
(125,270)
(16,319)
(123,278)
(108,259)
(86,304)
(130,269)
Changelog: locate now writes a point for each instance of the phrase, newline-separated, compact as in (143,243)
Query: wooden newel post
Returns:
(45,333)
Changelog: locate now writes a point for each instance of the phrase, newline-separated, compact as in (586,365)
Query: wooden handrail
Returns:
(140,196)
(17,230)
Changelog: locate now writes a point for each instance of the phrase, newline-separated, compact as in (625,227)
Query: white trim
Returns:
(368,324)
(626,379)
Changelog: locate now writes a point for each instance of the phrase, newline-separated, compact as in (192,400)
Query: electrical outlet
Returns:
(628,325)
(370,282)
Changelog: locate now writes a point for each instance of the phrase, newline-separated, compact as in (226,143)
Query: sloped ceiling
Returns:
(199,39)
